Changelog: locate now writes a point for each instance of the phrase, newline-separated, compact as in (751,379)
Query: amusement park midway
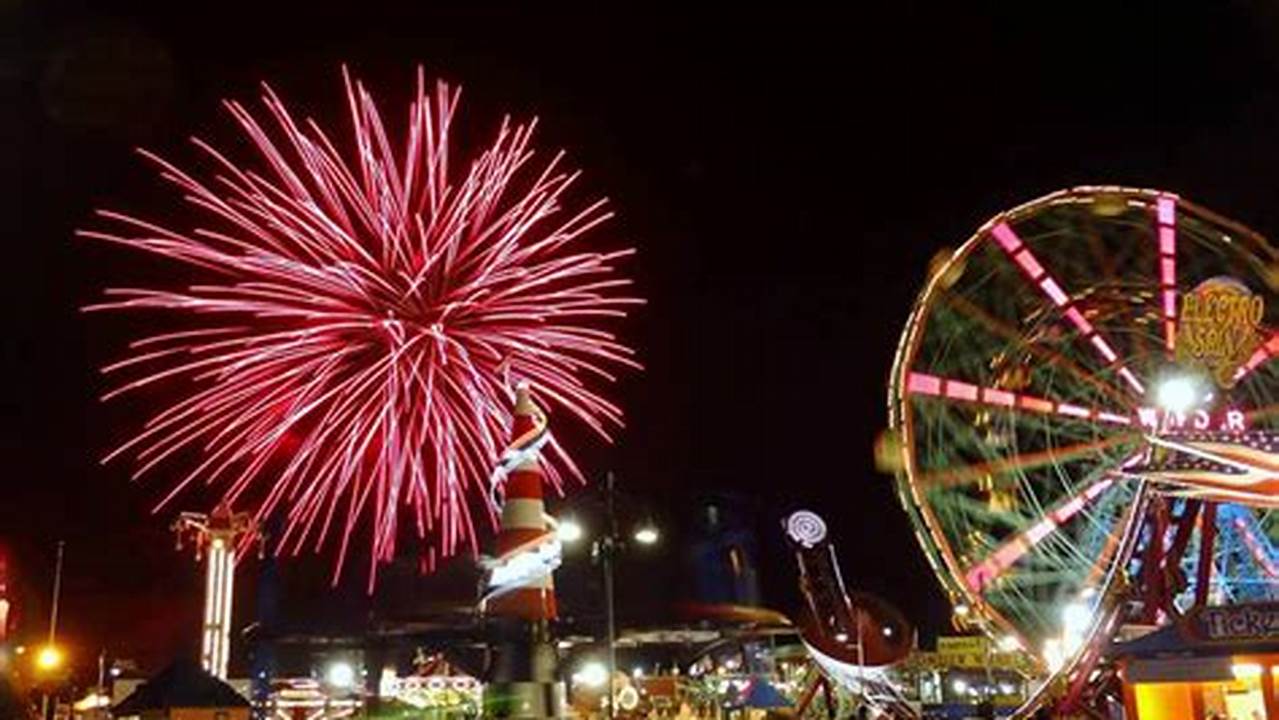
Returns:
(538,361)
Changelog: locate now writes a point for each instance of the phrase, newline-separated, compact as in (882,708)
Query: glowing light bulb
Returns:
(340,675)
(49,658)
(1178,394)
(569,530)
(646,535)
(591,674)
(1242,671)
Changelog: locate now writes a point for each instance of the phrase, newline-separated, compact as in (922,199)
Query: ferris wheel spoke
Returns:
(1256,415)
(918,383)
(1268,350)
(1025,259)
(1099,567)
(958,475)
(1166,231)
(980,576)
(1050,357)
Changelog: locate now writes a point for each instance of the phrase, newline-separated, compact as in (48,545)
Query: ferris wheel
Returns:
(1081,419)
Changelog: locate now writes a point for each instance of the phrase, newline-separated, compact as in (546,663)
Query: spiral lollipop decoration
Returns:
(806,528)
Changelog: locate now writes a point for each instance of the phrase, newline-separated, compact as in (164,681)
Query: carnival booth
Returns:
(1218,662)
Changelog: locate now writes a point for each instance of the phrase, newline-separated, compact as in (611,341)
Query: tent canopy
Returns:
(182,684)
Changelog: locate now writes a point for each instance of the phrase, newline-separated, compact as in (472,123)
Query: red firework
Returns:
(363,323)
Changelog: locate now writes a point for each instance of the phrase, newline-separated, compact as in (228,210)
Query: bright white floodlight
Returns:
(592,674)
(646,535)
(1177,394)
(569,530)
(340,675)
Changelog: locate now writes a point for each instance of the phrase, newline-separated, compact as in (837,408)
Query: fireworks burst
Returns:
(352,356)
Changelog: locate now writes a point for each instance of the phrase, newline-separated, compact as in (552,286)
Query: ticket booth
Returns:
(1216,664)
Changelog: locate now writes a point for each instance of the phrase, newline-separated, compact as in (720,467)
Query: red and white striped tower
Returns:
(524,525)
(521,594)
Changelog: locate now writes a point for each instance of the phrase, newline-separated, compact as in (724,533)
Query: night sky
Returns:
(786,174)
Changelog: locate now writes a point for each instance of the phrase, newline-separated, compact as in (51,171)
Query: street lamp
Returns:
(646,535)
(604,550)
(49,658)
(569,531)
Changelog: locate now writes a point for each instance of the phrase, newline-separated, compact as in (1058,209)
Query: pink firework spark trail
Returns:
(353,351)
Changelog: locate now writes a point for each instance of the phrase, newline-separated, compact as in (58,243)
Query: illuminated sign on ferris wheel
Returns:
(1161,420)
(1219,328)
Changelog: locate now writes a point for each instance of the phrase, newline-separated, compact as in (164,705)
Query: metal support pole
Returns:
(57,593)
(53,620)
(861,656)
(610,546)
(1152,564)
(1207,539)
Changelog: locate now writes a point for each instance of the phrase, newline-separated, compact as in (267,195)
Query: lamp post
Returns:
(49,658)
(604,550)
(607,548)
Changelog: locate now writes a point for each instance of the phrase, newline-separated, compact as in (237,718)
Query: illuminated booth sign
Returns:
(1235,623)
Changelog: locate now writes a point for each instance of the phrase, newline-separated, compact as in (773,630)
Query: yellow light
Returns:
(92,701)
(49,658)
(1245,670)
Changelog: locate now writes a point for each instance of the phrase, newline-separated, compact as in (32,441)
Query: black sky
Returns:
(785,171)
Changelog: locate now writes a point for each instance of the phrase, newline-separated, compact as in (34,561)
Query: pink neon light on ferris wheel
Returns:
(1166,216)
(918,383)
(987,571)
(1019,253)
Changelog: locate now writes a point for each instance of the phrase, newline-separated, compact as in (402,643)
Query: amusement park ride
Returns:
(1084,428)
(1083,425)
(852,638)
(216,535)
